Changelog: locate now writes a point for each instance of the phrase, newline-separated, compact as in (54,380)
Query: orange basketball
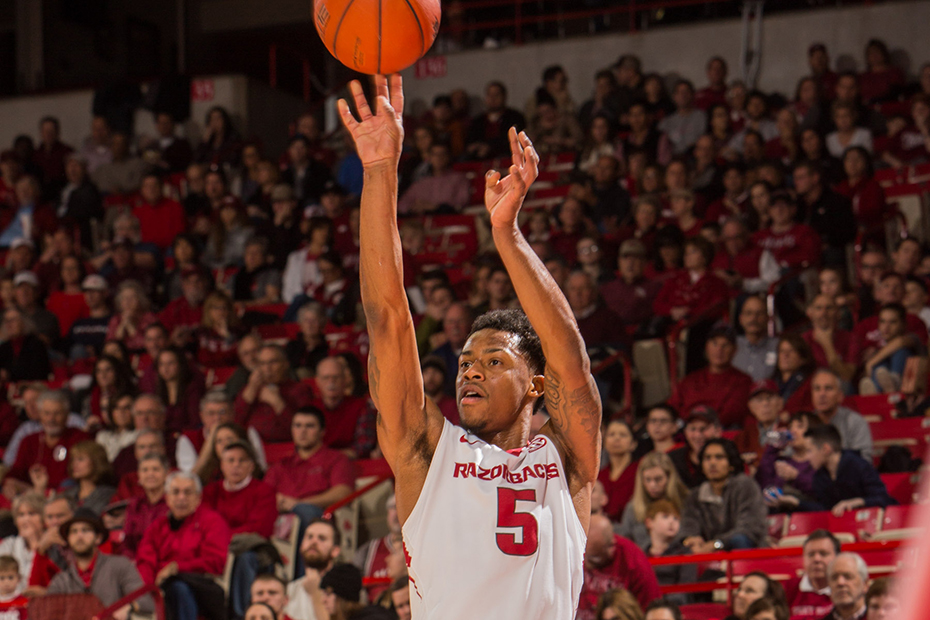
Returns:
(377,36)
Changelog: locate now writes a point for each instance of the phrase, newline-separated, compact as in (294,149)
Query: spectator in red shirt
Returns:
(50,156)
(350,420)
(185,550)
(161,219)
(793,372)
(867,335)
(596,322)
(829,344)
(180,387)
(613,561)
(42,459)
(719,385)
(132,316)
(631,295)
(619,475)
(693,292)
(819,62)
(248,506)
(315,476)
(67,303)
(860,186)
(182,316)
(808,596)
(371,558)
(271,397)
(882,79)
(144,510)
(793,245)
(715,93)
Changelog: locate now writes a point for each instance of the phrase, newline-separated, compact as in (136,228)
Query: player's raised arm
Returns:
(393,365)
(571,397)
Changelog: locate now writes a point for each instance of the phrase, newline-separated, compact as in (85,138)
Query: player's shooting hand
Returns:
(378,135)
(504,196)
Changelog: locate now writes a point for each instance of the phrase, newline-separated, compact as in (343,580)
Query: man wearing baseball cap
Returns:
(26,296)
(87,335)
(763,428)
(631,295)
(108,577)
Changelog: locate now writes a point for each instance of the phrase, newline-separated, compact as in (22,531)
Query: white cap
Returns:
(94,282)
(25,277)
(19,242)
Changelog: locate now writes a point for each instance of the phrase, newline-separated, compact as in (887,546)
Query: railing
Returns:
(273,50)
(749,554)
(348,499)
(619,357)
(674,336)
(152,590)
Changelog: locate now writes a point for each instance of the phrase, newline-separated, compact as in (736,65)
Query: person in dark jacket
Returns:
(843,480)
(80,202)
(828,213)
(108,577)
(23,355)
(727,511)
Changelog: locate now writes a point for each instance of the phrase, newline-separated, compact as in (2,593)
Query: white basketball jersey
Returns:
(494,534)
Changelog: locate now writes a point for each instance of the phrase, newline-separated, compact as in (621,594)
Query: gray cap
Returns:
(94,282)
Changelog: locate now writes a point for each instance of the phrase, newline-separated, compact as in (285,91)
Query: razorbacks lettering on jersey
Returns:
(494,534)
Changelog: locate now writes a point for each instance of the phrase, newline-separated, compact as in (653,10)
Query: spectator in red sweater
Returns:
(185,550)
(719,385)
(693,292)
(161,219)
(248,506)
(180,387)
(716,90)
(881,80)
(350,420)
(619,475)
(219,332)
(612,561)
(315,476)
(271,397)
(808,596)
(143,511)
(182,316)
(860,186)
(631,295)
(42,459)
(867,335)
(793,245)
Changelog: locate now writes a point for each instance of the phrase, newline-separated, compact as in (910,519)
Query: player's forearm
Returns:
(543,301)
(381,268)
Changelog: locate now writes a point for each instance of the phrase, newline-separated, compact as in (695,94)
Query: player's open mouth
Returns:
(470,396)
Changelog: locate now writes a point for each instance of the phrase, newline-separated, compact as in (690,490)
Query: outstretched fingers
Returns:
(516,151)
(530,156)
(361,104)
(346,115)
(397,94)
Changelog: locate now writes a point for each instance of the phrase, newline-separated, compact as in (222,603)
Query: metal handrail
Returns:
(348,499)
(152,589)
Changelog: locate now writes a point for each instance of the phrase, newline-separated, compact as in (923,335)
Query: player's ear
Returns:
(538,386)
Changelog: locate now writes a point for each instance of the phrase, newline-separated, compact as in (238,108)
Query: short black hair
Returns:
(311,410)
(498,85)
(822,534)
(337,535)
(729,448)
(664,603)
(551,72)
(825,435)
(663,407)
(895,307)
(515,322)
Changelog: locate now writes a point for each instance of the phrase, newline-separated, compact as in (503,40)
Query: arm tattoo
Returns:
(579,405)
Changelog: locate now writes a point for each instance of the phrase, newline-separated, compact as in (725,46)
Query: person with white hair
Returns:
(848,576)
(184,550)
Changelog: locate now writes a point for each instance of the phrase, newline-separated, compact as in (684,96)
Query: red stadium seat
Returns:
(704,611)
(450,239)
(803,523)
(904,431)
(874,408)
(777,524)
(896,517)
(278,331)
(901,487)
(857,522)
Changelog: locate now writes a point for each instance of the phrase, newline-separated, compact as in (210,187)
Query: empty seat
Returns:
(901,487)
(861,523)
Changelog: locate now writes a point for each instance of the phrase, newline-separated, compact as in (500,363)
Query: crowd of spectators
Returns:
(141,275)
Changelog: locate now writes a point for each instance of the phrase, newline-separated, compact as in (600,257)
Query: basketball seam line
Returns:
(419,26)
(380,9)
(339,25)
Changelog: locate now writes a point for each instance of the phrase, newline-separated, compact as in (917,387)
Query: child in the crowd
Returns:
(12,603)
(663,520)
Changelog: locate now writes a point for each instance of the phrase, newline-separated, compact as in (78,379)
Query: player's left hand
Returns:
(504,196)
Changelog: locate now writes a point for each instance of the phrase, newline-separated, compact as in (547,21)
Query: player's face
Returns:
(494,383)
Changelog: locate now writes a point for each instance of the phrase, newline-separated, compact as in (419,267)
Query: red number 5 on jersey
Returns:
(507,516)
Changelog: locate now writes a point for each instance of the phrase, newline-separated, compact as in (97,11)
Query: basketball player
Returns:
(493,525)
